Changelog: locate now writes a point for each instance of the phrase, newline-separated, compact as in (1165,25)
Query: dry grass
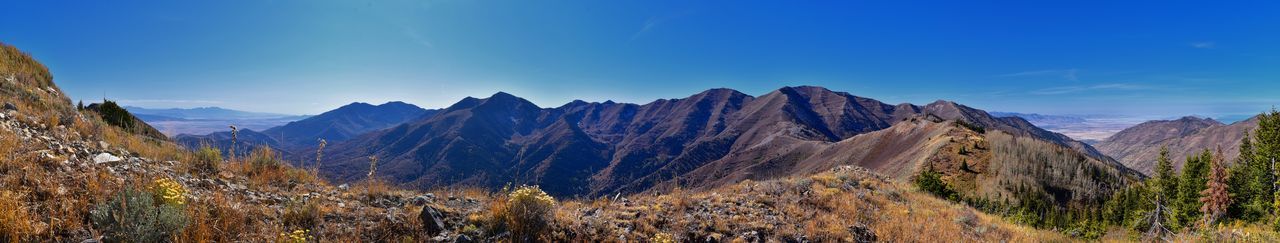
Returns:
(265,169)
(17,224)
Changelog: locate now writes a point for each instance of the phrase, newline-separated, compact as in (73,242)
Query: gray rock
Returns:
(421,200)
(344,187)
(432,220)
(105,158)
(10,106)
(463,239)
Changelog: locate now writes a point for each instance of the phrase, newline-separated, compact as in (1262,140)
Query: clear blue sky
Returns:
(1164,58)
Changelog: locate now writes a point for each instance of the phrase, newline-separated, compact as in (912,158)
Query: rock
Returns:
(421,200)
(10,106)
(103,145)
(862,234)
(432,220)
(226,175)
(344,187)
(463,239)
(105,158)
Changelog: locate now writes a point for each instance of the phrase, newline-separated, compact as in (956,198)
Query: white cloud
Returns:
(1068,74)
(1099,87)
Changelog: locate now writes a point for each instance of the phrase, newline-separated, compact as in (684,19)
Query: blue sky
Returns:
(1142,58)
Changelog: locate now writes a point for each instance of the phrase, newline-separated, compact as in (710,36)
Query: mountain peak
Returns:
(502,95)
(1199,119)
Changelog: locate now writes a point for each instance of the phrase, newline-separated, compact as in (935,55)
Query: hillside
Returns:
(1138,147)
(710,139)
(115,115)
(88,181)
(334,126)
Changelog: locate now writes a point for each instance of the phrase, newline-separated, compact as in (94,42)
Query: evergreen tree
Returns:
(1166,182)
(1266,150)
(1250,184)
(1214,197)
(1195,174)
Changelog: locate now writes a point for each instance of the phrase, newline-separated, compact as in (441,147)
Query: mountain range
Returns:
(717,137)
(334,126)
(204,120)
(1139,146)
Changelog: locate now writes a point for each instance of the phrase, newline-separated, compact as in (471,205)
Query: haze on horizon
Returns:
(304,57)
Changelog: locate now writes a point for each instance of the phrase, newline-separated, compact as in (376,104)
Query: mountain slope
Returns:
(1139,146)
(115,115)
(712,138)
(336,125)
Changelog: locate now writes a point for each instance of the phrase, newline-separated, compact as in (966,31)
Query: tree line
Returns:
(1207,191)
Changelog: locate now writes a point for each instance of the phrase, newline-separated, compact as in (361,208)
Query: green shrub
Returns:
(528,213)
(115,115)
(931,181)
(133,215)
(207,159)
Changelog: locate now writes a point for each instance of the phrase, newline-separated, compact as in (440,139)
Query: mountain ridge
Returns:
(595,148)
(1138,147)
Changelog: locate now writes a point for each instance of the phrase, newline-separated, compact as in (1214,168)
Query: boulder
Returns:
(432,220)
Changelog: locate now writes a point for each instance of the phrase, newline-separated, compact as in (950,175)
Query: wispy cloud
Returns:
(417,37)
(1084,88)
(653,22)
(1203,45)
(648,25)
(1068,74)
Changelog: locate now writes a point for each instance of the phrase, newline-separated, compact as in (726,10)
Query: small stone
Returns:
(103,145)
(105,158)
(344,187)
(10,106)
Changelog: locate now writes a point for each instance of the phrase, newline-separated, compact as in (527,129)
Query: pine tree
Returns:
(1250,183)
(1166,182)
(1195,174)
(1214,197)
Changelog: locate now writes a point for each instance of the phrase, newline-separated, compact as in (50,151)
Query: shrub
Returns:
(302,215)
(207,159)
(528,213)
(115,115)
(296,236)
(169,192)
(662,238)
(134,216)
(263,158)
(931,182)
